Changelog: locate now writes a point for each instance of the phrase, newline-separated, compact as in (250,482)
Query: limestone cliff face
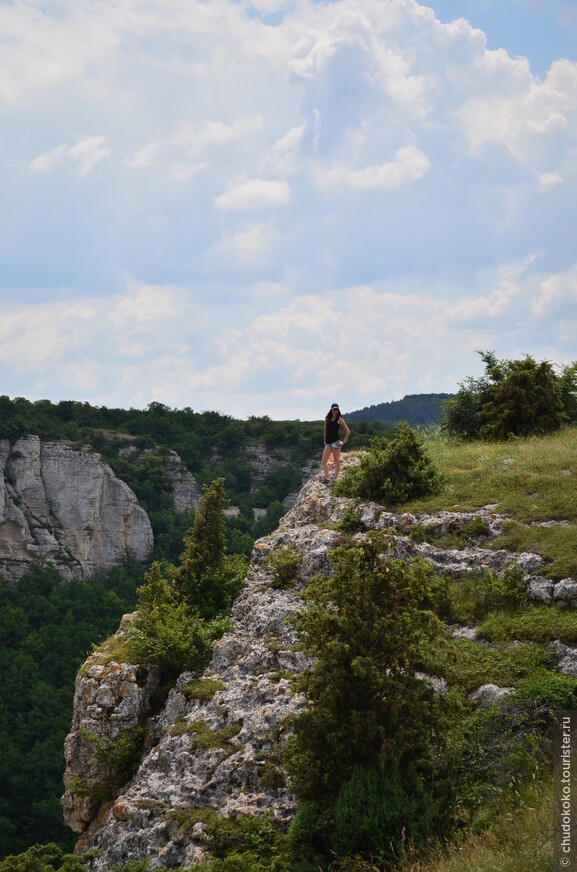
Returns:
(222,752)
(67,506)
(185,489)
(124,692)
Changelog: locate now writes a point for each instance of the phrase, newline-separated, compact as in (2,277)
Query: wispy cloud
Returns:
(356,343)
(409,165)
(82,157)
(249,194)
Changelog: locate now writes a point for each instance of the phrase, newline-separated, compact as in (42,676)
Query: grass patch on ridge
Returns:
(531,622)
(531,480)
(524,477)
(468,664)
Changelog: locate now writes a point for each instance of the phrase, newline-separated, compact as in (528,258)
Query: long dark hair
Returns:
(329,417)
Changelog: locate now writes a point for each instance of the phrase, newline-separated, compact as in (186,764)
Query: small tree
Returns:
(377,809)
(208,579)
(166,630)
(526,400)
(392,472)
(182,609)
(568,389)
(205,542)
(368,626)
(512,398)
(42,858)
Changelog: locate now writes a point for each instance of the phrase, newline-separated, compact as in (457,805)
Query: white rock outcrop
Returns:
(124,692)
(238,771)
(67,506)
(224,753)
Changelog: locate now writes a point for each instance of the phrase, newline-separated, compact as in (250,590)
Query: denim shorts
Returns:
(333,445)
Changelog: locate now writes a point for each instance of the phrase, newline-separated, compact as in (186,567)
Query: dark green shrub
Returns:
(568,389)
(182,610)
(353,864)
(284,565)
(47,858)
(270,771)
(307,837)
(473,598)
(137,866)
(39,858)
(257,835)
(368,626)
(526,401)
(249,861)
(378,811)
(392,472)
(174,637)
(350,521)
(512,398)
(121,755)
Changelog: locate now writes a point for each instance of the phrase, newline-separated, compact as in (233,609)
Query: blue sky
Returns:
(262,207)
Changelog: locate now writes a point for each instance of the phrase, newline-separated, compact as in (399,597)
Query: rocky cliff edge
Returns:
(215,744)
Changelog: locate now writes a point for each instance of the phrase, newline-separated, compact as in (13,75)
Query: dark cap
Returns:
(335,406)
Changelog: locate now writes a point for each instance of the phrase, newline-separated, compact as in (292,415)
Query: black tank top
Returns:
(332,431)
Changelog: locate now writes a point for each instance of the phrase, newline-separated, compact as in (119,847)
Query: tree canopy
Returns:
(183,609)
(372,722)
(211,446)
(46,631)
(512,398)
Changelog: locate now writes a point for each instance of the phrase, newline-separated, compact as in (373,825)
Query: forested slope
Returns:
(416,409)
(46,630)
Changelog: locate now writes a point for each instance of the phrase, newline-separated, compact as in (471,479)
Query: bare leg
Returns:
(337,460)
(325,460)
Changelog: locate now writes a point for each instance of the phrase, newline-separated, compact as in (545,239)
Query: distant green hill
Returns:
(414,408)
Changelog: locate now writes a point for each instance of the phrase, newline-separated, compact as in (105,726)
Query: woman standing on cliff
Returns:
(333,422)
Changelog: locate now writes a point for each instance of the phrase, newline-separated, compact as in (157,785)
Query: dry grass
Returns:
(529,480)
(521,841)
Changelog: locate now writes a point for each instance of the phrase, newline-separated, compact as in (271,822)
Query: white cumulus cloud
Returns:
(558,292)
(249,194)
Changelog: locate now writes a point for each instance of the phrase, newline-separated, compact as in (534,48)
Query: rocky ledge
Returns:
(215,744)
